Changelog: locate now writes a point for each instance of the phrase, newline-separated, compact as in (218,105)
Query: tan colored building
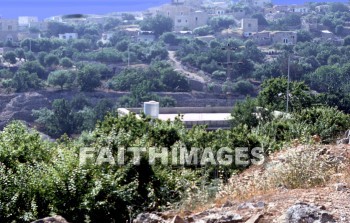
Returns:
(277,37)
(249,26)
(256,3)
(8,25)
(284,37)
(9,29)
(184,17)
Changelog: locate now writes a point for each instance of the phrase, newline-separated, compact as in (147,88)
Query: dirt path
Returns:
(178,67)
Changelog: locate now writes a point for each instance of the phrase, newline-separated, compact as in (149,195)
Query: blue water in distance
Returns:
(47,8)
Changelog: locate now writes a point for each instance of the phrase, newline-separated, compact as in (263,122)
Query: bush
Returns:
(326,122)
(244,87)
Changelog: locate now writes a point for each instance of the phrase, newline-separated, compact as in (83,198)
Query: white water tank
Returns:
(151,108)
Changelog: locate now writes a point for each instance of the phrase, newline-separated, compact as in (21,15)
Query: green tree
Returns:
(304,36)
(88,78)
(347,41)
(10,57)
(23,81)
(51,60)
(158,24)
(34,67)
(274,95)
(66,62)
(219,23)
(61,78)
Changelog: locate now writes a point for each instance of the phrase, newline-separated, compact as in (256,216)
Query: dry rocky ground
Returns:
(302,184)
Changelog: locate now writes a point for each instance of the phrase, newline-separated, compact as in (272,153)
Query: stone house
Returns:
(276,37)
(249,26)
(302,9)
(184,17)
(9,29)
(262,38)
(284,37)
(8,25)
(68,36)
(146,36)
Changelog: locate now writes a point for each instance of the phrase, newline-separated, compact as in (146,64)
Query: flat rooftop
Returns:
(197,117)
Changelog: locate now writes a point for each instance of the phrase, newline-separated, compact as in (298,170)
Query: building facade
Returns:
(249,26)
(67,36)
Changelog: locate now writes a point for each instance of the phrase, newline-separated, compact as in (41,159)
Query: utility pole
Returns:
(229,64)
(128,54)
(229,68)
(287,105)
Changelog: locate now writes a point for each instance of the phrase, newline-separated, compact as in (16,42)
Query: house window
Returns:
(182,13)
(249,25)
(186,20)
(168,14)
(9,27)
(179,20)
(285,40)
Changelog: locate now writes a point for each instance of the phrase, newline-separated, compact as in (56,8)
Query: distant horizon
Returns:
(44,8)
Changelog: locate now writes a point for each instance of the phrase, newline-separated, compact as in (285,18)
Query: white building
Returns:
(25,21)
(299,9)
(67,36)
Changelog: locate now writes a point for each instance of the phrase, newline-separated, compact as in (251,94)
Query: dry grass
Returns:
(304,168)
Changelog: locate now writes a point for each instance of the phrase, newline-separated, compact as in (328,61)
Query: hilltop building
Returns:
(9,29)
(249,26)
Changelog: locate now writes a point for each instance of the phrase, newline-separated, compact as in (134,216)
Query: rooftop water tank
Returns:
(151,108)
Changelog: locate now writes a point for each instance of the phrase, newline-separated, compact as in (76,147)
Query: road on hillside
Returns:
(178,67)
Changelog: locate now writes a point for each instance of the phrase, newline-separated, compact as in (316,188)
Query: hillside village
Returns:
(184,34)
(251,20)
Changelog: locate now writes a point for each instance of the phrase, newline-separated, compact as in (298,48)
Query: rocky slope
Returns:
(255,196)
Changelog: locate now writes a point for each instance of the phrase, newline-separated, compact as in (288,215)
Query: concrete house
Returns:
(67,36)
(249,26)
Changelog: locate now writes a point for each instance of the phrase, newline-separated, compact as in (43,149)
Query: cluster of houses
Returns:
(188,15)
